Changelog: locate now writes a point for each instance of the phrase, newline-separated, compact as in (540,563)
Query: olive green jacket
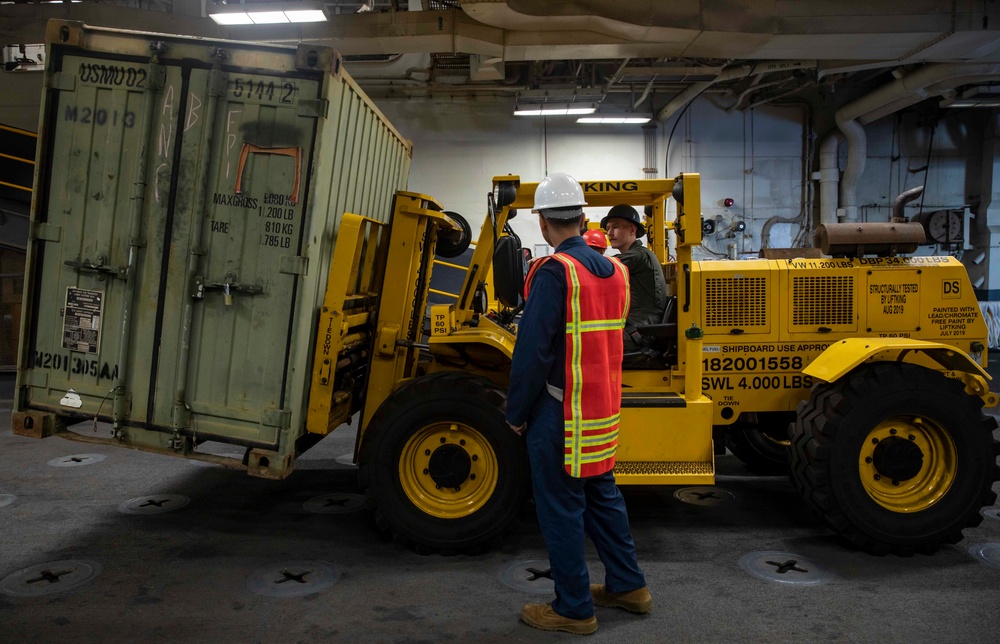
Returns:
(648,288)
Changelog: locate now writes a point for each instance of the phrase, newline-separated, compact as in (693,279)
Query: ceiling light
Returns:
(614,120)
(980,96)
(269,13)
(231,18)
(554,109)
(267,17)
(970,102)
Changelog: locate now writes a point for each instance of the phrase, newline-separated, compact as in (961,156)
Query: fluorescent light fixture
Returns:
(614,120)
(267,13)
(267,17)
(231,18)
(564,109)
(966,102)
(980,96)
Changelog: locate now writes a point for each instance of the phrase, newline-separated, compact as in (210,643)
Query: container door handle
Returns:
(229,287)
(99,267)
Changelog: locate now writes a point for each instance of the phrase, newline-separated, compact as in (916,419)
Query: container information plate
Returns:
(82,320)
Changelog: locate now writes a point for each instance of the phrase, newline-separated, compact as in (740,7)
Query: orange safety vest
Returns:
(593,395)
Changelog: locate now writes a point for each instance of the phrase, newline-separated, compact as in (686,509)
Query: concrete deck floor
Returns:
(182,576)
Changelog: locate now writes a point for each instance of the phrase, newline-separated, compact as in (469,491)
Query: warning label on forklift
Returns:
(952,320)
(82,320)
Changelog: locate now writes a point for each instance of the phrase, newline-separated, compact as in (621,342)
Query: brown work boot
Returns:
(543,617)
(634,601)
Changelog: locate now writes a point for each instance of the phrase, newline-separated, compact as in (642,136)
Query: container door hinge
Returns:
(216,83)
(46,232)
(157,77)
(281,418)
(313,107)
(294,265)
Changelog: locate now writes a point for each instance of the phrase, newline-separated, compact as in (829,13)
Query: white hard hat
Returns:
(558,190)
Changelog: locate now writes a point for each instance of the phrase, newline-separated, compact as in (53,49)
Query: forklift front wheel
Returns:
(441,467)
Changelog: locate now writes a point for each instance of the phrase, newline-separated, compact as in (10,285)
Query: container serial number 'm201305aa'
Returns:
(78,366)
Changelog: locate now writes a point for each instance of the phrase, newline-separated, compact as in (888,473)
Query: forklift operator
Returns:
(648,288)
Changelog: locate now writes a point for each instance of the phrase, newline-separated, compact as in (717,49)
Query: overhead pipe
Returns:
(829,176)
(857,155)
(892,97)
(901,200)
(756,86)
(776,97)
(937,89)
(763,67)
(617,76)
(645,93)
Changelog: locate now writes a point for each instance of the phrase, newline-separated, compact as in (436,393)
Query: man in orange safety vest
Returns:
(565,398)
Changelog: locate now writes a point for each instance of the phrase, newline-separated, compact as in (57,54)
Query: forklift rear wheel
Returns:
(761,441)
(895,457)
(441,467)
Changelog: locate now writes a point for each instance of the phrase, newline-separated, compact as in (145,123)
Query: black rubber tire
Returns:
(428,401)
(450,245)
(760,441)
(833,427)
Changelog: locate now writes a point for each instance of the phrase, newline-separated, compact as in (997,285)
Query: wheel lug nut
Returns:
(912,437)
(437,487)
(427,452)
(868,459)
(461,442)
(874,441)
(472,477)
(895,482)
(878,477)
(475,458)
(426,471)
(458,489)
(892,431)
(444,440)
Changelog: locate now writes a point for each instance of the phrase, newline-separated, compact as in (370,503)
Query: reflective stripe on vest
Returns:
(596,309)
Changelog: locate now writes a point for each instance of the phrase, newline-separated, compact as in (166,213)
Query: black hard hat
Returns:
(629,214)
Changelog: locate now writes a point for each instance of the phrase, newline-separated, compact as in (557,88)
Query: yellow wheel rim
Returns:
(908,464)
(448,470)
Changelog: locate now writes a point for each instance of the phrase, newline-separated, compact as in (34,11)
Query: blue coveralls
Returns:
(567,507)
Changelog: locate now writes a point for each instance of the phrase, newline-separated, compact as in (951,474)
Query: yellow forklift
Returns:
(866,371)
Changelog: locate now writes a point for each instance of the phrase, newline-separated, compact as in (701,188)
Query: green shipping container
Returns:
(186,205)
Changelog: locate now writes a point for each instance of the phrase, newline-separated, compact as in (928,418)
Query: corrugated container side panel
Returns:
(346,158)
(349,163)
(364,181)
(375,161)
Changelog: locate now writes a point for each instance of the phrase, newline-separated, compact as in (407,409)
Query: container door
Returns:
(92,202)
(241,287)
